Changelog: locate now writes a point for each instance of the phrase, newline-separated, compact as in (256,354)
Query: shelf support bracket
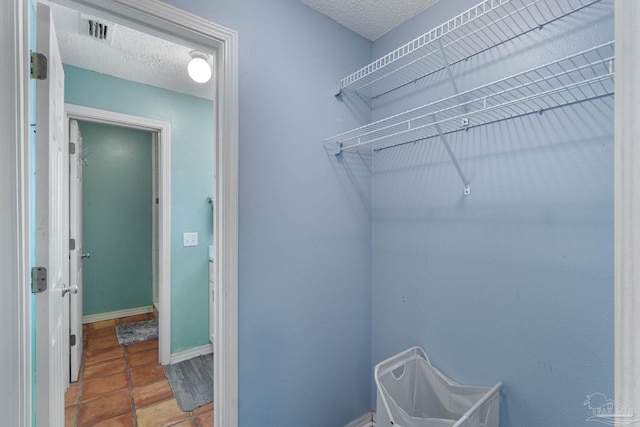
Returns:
(452,79)
(465,181)
(465,122)
(447,67)
(338,90)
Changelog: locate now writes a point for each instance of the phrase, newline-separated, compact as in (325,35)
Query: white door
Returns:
(52,228)
(75,253)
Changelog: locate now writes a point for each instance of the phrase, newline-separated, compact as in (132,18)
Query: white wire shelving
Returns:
(576,78)
(486,25)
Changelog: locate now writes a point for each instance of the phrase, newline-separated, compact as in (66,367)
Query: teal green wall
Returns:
(192,134)
(117,188)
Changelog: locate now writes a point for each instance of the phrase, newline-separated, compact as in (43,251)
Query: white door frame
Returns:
(161,19)
(73,136)
(155,167)
(163,132)
(627,205)
(15,247)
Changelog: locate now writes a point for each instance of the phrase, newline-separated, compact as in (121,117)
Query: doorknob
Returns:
(87,255)
(69,289)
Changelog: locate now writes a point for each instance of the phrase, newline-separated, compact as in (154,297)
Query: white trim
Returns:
(163,130)
(15,247)
(367,420)
(155,195)
(116,314)
(154,218)
(88,114)
(627,205)
(191,353)
(157,17)
(225,364)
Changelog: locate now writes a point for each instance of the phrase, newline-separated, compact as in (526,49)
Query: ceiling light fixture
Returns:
(198,68)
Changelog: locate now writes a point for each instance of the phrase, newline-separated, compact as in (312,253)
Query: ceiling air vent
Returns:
(97,29)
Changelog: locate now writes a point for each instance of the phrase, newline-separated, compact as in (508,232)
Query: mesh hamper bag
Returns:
(412,393)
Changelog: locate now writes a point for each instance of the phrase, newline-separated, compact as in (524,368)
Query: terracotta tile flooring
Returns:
(125,386)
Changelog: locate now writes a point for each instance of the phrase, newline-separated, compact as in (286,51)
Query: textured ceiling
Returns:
(129,55)
(136,56)
(369,18)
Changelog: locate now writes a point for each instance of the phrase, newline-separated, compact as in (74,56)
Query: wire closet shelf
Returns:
(486,25)
(580,77)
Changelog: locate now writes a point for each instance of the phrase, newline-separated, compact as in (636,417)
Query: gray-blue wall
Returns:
(305,230)
(514,282)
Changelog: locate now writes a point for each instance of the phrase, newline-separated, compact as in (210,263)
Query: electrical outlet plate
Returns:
(190,239)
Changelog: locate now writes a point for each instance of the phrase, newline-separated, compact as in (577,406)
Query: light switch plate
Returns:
(190,239)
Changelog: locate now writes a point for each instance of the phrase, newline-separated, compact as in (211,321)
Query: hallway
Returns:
(125,386)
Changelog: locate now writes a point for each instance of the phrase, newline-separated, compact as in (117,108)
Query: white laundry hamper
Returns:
(412,393)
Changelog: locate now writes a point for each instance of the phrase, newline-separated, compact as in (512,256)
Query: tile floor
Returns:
(125,386)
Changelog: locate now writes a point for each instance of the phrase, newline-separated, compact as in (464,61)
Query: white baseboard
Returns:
(367,420)
(191,353)
(116,314)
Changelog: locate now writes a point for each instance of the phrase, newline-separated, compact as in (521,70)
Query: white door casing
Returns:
(627,205)
(155,203)
(161,19)
(52,230)
(162,138)
(15,246)
(75,253)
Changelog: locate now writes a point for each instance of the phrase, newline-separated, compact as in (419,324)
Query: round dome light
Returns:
(198,68)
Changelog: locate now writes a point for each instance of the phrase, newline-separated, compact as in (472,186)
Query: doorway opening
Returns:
(161,132)
(119,220)
(160,19)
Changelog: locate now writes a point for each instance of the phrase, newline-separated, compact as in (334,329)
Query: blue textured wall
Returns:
(514,282)
(305,271)
(191,185)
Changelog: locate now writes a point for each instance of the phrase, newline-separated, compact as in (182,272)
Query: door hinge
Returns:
(38,280)
(38,66)
(72,148)
(72,340)
(72,244)
(157,200)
